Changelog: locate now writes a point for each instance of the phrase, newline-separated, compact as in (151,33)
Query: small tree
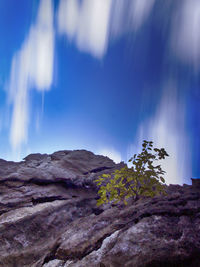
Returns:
(142,179)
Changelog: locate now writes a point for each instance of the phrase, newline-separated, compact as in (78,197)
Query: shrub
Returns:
(142,179)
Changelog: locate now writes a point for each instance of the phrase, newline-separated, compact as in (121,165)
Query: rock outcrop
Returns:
(49,218)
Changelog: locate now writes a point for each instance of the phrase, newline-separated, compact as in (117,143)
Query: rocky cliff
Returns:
(49,218)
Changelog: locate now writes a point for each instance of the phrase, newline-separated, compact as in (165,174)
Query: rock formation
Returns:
(49,218)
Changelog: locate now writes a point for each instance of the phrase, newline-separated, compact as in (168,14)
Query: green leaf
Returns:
(162,179)
(142,179)
(106,175)
(125,202)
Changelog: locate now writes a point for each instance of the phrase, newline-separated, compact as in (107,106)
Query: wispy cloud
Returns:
(140,11)
(111,153)
(185,34)
(129,15)
(32,67)
(87,24)
(91,24)
(167,129)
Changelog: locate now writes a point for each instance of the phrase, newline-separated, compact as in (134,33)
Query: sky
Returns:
(101,75)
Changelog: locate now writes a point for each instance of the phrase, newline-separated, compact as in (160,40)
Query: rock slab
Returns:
(49,218)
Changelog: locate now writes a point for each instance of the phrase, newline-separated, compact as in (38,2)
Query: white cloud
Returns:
(86,23)
(92,23)
(185,37)
(111,153)
(93,28)
(140,10)
(32,67)
(68,17)
(166,129)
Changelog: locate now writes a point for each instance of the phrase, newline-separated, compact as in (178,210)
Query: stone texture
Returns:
(49,218)
(54,263)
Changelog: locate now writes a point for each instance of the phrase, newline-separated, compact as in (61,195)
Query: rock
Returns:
(54,263)
(49,218)
(196,182)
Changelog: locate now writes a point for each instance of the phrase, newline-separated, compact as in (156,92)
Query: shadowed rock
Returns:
(49,217)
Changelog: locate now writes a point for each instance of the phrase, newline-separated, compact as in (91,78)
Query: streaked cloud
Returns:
(68,17)
(185,34)
(32,67)
(87,24)
(139,12)
(91,24)
(167,129)
(111,153)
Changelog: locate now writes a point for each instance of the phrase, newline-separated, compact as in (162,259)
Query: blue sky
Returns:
(101,75)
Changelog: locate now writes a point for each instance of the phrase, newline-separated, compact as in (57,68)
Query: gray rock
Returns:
(54,263)
(49,218)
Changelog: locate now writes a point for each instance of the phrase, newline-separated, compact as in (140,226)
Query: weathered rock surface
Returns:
(49,218)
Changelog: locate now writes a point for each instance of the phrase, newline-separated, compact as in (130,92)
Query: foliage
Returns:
(142,179)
